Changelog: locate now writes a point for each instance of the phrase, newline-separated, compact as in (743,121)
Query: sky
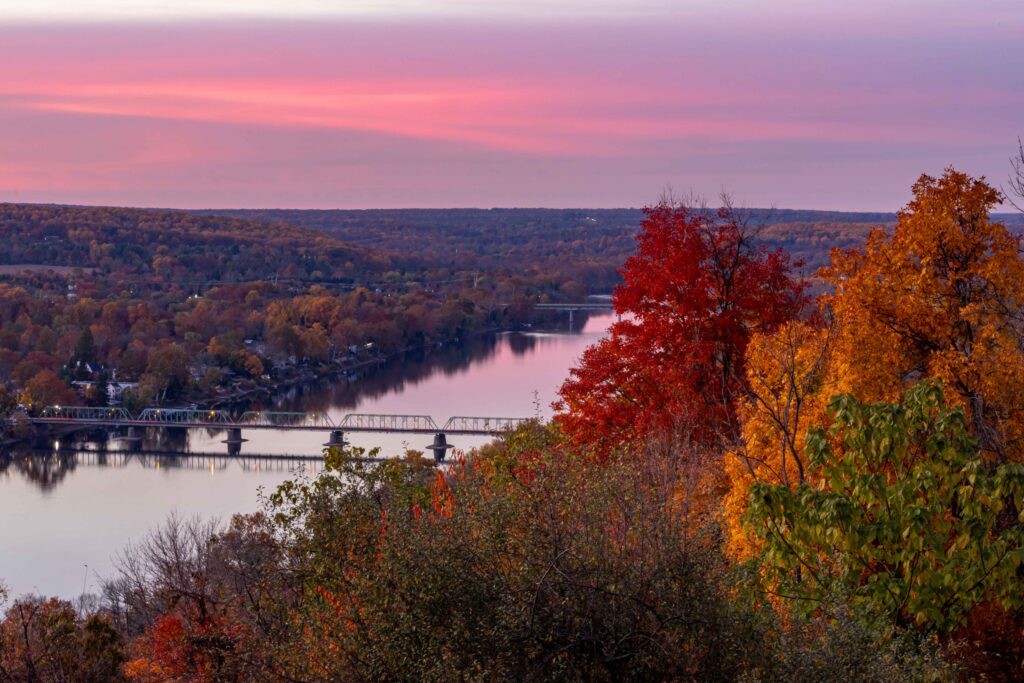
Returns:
(451,103)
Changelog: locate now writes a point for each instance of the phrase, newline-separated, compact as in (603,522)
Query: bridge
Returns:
(578,306)
(84,417)
(573,307)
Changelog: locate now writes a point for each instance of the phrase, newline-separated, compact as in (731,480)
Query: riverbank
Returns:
(309,375)
(64,509)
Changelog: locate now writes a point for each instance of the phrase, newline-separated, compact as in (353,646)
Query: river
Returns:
(65,515)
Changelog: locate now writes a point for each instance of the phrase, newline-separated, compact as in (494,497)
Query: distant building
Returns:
(115,390)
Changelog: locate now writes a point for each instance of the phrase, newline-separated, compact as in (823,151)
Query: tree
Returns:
(99,394)
(906,520)
(206,602)
(787,393)
(525,565)
(45,640)
(46,389)
(942,297)
(85,347)
(8,402)
(696,290)
(1016,180)
(168,372)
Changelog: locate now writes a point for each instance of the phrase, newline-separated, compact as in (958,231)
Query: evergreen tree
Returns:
(100,390)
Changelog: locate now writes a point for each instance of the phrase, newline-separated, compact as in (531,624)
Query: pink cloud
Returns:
(482,114)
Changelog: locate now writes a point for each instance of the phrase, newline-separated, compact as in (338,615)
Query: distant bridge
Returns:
(579,306)
(572,307)
(84,417)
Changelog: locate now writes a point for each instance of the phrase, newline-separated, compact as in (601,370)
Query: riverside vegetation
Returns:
(188,308)
(743,482)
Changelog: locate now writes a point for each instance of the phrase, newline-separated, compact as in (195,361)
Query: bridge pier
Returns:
(440,447)
(337,440)
(234,441)
(134,437)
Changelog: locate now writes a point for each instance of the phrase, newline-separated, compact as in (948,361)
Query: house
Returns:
(115,390)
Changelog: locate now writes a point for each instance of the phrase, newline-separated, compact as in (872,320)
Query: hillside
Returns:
(582,244)
(176,245)
(566,244)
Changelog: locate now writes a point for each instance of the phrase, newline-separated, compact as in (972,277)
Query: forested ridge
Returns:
(587,244)
(176,245)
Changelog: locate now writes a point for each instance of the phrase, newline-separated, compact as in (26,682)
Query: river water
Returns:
(65,515)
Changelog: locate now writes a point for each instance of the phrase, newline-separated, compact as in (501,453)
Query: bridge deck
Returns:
(249,425)
(191,418)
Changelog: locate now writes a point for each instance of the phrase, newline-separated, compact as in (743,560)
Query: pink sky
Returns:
(796,108)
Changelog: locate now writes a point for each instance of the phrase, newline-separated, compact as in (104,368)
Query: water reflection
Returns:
(81,503)
(47,469)
(48,463)
(396,375)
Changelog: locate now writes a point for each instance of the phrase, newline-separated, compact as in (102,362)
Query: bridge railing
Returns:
(86,413)
(268,418)
(463,423)
(588,306)
(294,420)
(184,415)
(388,422)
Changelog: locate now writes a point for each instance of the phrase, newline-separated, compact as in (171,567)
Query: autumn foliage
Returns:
(937,298)
(697,289)
(855,464)
(942,297)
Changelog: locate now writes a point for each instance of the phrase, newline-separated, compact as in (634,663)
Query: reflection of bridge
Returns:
(47,468)
(188,460)
(190,418)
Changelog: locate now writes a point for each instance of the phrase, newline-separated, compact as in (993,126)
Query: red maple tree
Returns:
(699,285)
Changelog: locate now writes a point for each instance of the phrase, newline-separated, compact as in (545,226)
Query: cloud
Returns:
(396,113)
(148,10)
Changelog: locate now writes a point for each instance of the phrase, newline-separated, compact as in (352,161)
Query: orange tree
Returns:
(696,290)
(47,640)
(942,297)
(786,377)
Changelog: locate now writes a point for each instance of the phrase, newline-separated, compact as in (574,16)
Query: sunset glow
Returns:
(458,103)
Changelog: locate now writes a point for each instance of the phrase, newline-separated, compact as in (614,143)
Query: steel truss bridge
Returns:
(579,306)
(79,417)
(221,419)
(572,308)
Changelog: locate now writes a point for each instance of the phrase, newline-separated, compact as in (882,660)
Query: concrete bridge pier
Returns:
(41,435)
(234,441)
(337,440)
(134,437)
(440,447)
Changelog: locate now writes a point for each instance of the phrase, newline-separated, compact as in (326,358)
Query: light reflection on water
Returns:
(65,513)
